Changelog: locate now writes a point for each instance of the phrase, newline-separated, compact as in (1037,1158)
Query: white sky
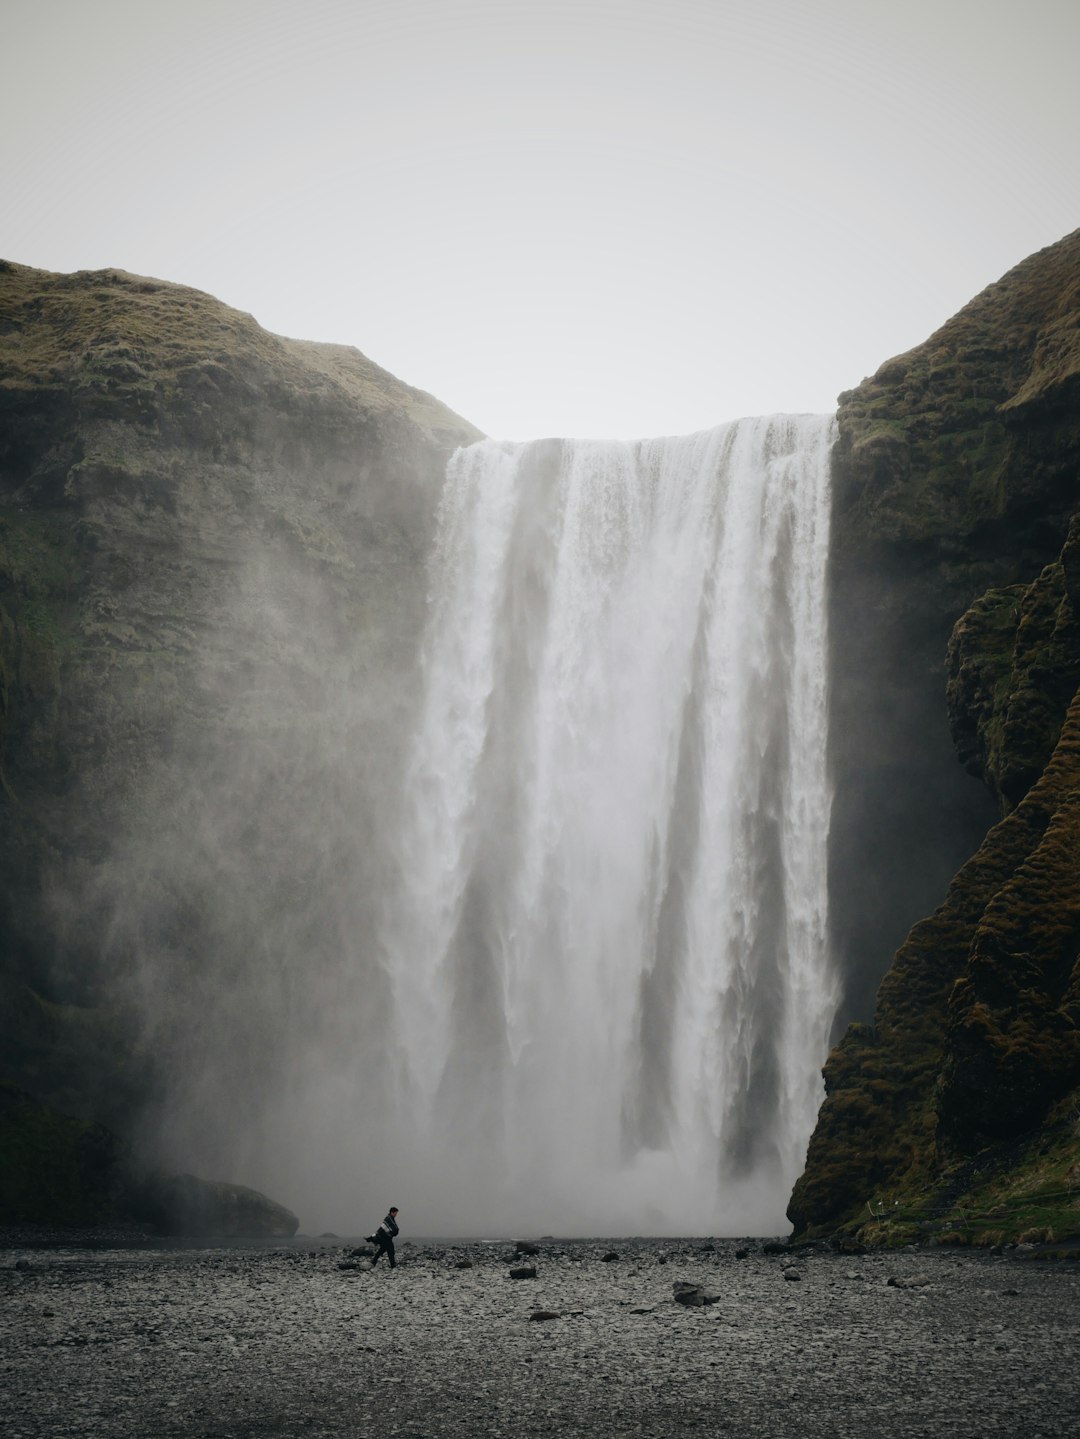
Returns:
(576,217)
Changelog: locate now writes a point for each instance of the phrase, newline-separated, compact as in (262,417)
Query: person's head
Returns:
(393,1209)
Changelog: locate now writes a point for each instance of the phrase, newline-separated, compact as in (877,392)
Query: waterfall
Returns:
(607,956)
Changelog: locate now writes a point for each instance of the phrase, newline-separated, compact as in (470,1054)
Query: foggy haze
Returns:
(561,217)
(530,936)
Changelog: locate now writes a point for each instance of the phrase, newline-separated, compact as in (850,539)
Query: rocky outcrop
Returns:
(58,1173)
(955,472)
(211,588)
(958,474)
(184,1205)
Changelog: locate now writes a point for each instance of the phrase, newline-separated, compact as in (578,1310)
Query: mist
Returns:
(493,887)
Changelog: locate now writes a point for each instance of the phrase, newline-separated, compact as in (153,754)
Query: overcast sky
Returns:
(580,217)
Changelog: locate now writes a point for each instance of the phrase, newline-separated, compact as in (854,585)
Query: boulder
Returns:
(184,1205)
(694,1296)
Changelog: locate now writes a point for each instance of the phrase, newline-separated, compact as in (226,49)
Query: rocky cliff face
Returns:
(211,587)
(958,473)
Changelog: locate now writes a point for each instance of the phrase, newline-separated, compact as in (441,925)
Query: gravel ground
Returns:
(258,1342)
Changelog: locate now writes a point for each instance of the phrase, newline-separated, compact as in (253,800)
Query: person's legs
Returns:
(385,1246)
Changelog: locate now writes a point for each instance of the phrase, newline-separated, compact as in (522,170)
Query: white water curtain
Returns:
(608,952)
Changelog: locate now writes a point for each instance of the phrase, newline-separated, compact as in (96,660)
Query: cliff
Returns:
(211,587)
(954,595)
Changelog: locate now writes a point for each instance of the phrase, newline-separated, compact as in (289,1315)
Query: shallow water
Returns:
(253,1342)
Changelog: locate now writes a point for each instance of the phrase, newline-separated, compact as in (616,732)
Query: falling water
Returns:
(611,992)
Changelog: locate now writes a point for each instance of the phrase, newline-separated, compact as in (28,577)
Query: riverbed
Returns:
(257,1342)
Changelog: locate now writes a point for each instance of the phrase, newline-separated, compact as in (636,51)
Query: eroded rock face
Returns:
(955,472)
(212,551)
(958,475)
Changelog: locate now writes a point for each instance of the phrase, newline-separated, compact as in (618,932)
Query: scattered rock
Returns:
(525,1246)
(463,1264)
(913,1281)
(609,1257)
(692,1295)
(538,1316)
(524,1271)
(742,1253)
(792,1274)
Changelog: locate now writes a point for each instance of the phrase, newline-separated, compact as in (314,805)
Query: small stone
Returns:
(526,1246)
(742,1253)
(609,1257)
(792,1274)
(524,1271)
(539,1316)
(692,1295)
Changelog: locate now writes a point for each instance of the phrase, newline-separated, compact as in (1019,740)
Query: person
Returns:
(384,1238)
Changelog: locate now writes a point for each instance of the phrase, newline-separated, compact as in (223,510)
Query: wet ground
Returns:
(275,1342)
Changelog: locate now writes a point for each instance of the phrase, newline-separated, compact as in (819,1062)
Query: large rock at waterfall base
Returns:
(184,1205)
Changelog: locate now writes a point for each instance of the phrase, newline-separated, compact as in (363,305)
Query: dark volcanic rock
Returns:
(211,587)
(186,1205)
(957,470)
(694,1296)
(959,467)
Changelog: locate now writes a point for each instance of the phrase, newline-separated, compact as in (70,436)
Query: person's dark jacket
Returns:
(390,1225)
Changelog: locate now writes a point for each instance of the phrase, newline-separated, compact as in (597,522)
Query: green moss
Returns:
(1013,666)
(132,347)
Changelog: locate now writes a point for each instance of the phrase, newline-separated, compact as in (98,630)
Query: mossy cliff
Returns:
(211,586)
(955,472)
(958,475)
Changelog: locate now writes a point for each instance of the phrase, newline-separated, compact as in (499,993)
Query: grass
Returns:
(111,336)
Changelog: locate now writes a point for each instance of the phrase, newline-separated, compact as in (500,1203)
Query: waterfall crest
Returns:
(607,958)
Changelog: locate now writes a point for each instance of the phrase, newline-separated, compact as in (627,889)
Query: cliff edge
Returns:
(212,545)
(955,625)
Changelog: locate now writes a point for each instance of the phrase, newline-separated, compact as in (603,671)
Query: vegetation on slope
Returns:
(955,1096)
(208,535)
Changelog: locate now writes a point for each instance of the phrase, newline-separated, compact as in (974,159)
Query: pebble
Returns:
(183,1344)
